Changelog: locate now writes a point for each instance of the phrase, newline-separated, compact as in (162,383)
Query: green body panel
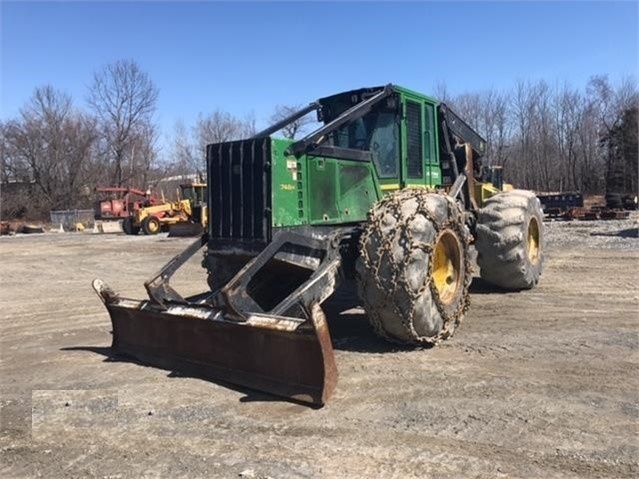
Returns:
(317,190)
(314,190)
(288,189)
(340,191)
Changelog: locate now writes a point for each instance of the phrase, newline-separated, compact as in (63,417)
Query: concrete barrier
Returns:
(108,227)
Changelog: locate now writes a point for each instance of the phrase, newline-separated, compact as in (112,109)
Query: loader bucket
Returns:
(228,336)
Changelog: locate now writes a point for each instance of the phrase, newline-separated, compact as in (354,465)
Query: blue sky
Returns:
(246,57)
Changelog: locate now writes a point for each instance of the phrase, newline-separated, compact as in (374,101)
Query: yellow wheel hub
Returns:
(152,225)
(447,273)
(533,240)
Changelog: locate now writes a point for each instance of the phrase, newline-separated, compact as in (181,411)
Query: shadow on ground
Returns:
(250,395)
(627,233)
(480,286)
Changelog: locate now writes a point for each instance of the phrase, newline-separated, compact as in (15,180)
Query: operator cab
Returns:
(195,192)
(397,134)
(375,136)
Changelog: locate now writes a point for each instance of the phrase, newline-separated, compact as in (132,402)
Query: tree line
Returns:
(54,152)
(558,138)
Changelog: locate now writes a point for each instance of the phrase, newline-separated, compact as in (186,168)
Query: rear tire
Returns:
(614,201)
(510,240)
(129,228)
(414,267)
(151,225)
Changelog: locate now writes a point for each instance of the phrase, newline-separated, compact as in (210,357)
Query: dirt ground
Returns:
(542,383)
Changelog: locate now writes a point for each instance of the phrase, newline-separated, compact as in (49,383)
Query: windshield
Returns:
(197,194)
(377,132)
(188,193)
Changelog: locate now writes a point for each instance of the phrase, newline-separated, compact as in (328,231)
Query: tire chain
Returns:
(455,221)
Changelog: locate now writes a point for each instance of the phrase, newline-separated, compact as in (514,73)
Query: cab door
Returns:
(418,153)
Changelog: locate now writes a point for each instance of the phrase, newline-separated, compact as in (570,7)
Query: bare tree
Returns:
(498,128)
(612,107)
(143,153)
(522,114)
(469,107)
(590,169)
(545,149)
(295,127)
(50,145)
(124,99)
(217,127)
(220,126)
(6,161)
(622,145)
(184,156)
(441,92)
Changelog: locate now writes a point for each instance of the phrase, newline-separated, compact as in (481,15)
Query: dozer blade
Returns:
(282,356)
(185,229)
(245,334)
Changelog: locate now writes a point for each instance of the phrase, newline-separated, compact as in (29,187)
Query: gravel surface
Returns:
(608,234)
(541,383)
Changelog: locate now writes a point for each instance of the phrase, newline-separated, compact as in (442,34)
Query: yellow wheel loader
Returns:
(187,216)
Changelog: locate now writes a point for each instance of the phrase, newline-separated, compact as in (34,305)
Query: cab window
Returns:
(377,132)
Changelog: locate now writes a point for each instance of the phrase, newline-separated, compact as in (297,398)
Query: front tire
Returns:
(414,268)
(510,240)
(151,225)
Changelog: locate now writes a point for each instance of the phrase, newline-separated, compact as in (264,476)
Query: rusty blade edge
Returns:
(199,312)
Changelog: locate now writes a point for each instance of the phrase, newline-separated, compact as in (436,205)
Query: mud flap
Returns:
(245,334)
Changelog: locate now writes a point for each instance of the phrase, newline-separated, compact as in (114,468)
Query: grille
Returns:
(414,150)
(240,191)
